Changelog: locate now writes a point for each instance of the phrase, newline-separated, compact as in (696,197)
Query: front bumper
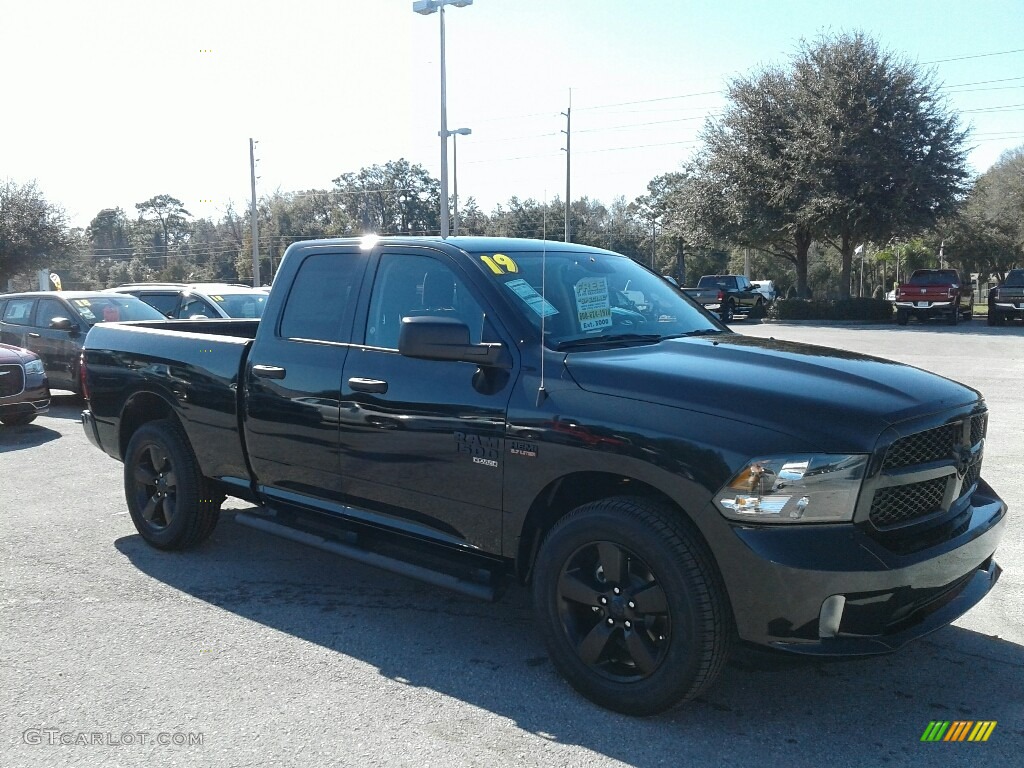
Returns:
(1008,309)
(35,399)
(833,590)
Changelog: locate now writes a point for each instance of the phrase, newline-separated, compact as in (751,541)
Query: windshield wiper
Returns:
(615,338)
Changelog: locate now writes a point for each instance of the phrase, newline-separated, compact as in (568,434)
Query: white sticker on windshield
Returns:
(534,300)
(593,307)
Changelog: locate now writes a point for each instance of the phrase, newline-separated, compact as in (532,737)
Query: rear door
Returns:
(16,321)
(422,440)
(293,379)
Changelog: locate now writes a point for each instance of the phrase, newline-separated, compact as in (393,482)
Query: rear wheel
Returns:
(728,311)
(631,605)
(172,505)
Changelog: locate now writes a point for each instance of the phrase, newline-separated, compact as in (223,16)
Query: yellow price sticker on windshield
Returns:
(82,302)
(499,263)
(217,298)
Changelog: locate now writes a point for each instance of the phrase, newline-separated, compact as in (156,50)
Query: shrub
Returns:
(849,309)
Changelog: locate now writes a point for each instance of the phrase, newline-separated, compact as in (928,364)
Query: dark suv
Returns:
(53,324)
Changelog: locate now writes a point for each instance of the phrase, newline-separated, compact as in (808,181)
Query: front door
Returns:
(422,440)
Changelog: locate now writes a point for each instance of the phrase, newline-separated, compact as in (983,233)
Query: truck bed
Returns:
(193,364)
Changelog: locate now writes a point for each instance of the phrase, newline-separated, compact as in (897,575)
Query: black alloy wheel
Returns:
(169,500)
(631,605)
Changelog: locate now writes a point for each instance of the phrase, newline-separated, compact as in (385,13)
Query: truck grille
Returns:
(957,445)
(12,380)
(900,503)
(932,445)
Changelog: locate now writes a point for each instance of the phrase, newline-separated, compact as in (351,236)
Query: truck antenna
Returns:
(542,393)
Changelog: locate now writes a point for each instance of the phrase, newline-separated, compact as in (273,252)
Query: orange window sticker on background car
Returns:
(499,263)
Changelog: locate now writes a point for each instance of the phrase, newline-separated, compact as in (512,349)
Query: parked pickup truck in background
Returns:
(474,411)
(934,293)
(729,295)
(1006,300)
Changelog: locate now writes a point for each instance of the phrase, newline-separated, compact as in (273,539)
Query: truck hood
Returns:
(830,398)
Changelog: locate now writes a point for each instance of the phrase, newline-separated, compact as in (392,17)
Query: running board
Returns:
(467,587)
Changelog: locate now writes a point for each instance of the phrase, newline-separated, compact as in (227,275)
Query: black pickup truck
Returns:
(1006,300)
(729,295)
(476,411)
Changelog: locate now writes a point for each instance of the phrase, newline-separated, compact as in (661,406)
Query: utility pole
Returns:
(568,161)
(252,216)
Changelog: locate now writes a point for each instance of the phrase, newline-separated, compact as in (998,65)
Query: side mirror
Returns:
(443,338)
(64,324)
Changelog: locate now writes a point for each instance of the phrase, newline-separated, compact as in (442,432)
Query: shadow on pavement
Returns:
(764,709)
(27,436)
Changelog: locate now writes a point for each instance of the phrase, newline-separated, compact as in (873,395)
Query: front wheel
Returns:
(170,502)
(631,606)
(902,316)
(18,419)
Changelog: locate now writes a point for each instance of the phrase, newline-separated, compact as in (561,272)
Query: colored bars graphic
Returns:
(958,730)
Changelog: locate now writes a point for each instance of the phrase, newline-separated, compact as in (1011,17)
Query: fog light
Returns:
(831,616)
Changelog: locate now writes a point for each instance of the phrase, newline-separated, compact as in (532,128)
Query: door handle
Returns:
(375,386)
(268,371)
(33,335)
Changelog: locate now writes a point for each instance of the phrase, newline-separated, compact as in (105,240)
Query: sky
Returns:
(106,103)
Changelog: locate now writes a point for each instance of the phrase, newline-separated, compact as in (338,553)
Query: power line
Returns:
(974,56)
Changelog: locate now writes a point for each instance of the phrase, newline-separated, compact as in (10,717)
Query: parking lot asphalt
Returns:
(254,651)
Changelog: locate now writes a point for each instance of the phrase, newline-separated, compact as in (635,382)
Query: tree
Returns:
(171,215)
(848,145)
(391,199)
(32,230)
(744,188)
(987,234)
(877,149)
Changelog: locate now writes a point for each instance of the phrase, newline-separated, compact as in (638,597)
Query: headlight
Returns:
(35,366)
(808,488)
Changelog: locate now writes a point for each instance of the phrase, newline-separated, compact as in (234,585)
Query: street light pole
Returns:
(455,175)
(427,7)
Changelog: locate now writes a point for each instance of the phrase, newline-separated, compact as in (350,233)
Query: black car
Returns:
(53,324)
(24,393)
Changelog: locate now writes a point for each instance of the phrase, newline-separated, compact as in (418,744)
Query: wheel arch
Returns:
(566,493)
(142,408)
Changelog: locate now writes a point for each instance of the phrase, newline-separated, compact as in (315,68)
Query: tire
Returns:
(954,316)
(993,318)
(758,311)
(631,606)
(728,311)
(18,419)
(172,505)
(902,316)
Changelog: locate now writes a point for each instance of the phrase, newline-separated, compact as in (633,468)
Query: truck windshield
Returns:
(589,296)
(1015,279)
